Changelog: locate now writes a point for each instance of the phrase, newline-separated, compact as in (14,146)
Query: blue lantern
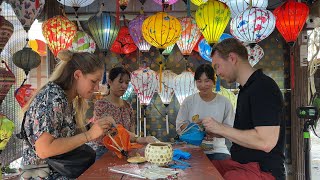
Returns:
(205,49)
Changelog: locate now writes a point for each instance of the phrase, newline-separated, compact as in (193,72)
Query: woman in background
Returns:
(121,111)
(206,103)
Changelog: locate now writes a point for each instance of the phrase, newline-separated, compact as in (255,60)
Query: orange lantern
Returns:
(58,32)
(38,46)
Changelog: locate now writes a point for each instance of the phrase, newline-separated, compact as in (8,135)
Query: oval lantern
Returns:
(161,30)
(189,37)
(6,131)
(104,30)
(82,42)
(23,94)
(38,46)
(238,6)
(6,31)
(135,26)
(123,43)
(27,11)
(184,86)
(252,25)
(291,17)
(26,59)
(167,89)
(212,19)
(255,54)
(58,32)
(128,92)
(7,79)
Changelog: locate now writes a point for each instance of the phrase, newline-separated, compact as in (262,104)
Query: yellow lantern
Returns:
(212,18)
(161,30)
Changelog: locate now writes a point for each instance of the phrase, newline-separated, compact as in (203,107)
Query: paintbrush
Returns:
(123,152)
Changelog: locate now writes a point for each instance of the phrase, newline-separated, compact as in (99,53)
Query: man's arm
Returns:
(262,138)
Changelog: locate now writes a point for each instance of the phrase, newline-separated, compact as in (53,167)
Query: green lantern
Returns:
(6,130)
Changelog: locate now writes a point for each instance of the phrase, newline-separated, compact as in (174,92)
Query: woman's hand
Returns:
(99,128)
(146,140)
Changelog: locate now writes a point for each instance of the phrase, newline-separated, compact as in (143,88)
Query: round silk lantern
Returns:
(252,25)
(135,26)
(38,46)
(184,86)
(123,43)
(255,54)
(190,35)
(76,4)
(23,94)
(27,11)
(6,30)
(291,17)
(238,6)
(26,59)
(168,2)
(212,18)
(82,42)
(161,30)
(6,131)
(198,2)
(104,30)
(58,32)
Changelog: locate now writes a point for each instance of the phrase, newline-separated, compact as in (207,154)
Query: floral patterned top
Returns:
(122,115)
(49,112)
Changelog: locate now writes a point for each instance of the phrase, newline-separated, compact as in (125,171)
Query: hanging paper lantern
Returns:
(7,79)
(38,46)
(145,83)
(161,30)
(166,53)
(291,17)
(255,54)
(26,59)
(212,18)
(23,94)
(184,86)
(123,4)
(128,92)
(168,83)
(168,2)
(205,49)
(190,35)
(6,30)
(6,131)
(104,30)
(135,26)
(27,11)
(58,32)
(76,4)
(252,25)
(198,2)
(238,6)
(196,46)
(123,43)
(82,42)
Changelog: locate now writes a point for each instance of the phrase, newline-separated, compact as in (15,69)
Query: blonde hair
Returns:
(63,76)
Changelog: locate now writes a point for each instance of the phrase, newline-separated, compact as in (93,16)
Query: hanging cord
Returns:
(118,12)
(188,9)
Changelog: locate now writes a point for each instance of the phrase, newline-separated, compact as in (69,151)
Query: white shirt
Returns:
(219,108)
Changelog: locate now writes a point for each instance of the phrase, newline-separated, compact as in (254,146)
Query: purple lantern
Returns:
(135,26)
(168,2)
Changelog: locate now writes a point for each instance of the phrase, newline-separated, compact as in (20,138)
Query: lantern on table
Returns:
(145,83)
(184,86)
(166,90)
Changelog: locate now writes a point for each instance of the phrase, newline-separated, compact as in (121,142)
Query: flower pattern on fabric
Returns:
(49,112)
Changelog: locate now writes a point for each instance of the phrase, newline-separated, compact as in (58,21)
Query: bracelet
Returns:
(86,136)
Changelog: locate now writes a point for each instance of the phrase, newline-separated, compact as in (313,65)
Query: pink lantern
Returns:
(135,26)
(255,54)
(167,2)
(190,34)
(145,83)
(166,92)
(184,86)
(82,42)
(23,94)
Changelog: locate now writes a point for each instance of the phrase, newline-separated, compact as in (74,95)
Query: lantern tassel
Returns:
(218,84)
(160,77)
(104,79)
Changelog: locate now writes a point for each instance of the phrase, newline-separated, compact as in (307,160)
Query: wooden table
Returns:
(201,167)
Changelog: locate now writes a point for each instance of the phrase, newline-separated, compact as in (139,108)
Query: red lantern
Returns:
(196,46)
(291,17)
(58,32)
(124,43)
(23,94)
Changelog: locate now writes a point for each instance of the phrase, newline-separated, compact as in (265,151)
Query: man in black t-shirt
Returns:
(258,133)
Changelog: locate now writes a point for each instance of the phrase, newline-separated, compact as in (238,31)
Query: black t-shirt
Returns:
(260,103)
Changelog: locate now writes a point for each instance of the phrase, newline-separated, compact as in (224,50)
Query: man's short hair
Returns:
(225,47)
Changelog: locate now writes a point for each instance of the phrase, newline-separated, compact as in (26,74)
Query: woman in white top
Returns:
(206,103)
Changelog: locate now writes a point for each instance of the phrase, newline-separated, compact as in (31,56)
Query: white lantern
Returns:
(253,25)
(82,42)
(255,54)
(238,6)
(184,86)
(76,3)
